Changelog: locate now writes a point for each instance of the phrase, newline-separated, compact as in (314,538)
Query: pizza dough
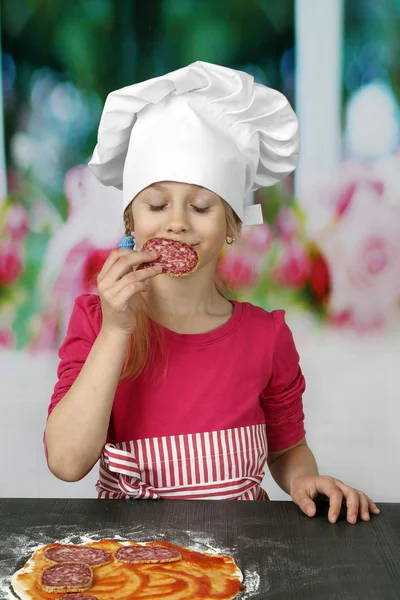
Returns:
(195,576)
(176,258)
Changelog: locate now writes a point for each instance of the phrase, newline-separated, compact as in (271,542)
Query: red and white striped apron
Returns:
(218,465)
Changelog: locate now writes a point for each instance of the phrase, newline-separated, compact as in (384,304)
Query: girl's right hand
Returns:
(119,288)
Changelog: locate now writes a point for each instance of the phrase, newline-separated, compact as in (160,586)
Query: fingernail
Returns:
(153,254)
(333,518)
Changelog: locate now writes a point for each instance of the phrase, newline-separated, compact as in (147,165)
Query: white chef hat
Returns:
(203,124)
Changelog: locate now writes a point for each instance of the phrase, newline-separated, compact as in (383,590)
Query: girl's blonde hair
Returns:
(141,352)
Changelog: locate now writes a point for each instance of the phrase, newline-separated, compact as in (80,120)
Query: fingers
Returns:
(364,512)
(304,502)
(366,506)
(119,295)
(353,505)
(357,502)
(110,261)
(135,277)
(328,486)
(372,506)
(120,262)
(128,291)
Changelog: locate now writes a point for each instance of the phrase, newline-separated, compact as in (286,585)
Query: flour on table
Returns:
(17,547)
(251,584)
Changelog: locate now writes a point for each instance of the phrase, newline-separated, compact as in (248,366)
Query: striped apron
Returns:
(219,465)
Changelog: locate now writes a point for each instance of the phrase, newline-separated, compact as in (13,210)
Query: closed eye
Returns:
(195,208)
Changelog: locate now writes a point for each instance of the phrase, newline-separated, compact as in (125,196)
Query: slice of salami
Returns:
(77,554)
(78,597)
(176,258)
(147,554)
(67,577)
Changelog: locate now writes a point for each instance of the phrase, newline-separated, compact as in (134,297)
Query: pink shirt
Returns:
(245,372)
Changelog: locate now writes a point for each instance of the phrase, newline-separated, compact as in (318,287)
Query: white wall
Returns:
(352,406)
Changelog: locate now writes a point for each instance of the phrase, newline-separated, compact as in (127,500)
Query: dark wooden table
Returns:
(283,554)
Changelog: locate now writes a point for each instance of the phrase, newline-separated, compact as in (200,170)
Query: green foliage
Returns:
(29,302)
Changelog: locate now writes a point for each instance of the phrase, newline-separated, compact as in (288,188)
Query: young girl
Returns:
(182,393)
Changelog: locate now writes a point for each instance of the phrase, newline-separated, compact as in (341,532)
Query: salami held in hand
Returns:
(120,283)
(176,258)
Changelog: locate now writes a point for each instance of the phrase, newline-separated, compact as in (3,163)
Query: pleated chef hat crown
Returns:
(203,124)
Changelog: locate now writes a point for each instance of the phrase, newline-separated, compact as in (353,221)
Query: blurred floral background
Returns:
(334,253)
(328,252)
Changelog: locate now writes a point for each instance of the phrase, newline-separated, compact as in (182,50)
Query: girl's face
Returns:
(182,211)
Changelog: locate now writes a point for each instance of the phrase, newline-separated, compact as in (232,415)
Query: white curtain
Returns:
(319,35)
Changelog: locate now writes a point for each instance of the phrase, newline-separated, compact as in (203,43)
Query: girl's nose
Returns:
(176,229)
(177,223)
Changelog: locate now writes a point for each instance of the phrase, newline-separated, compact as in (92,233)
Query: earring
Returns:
(127,243)
(232,239)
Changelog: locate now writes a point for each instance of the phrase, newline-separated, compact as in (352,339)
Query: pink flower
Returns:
(293,268)
(319,278)
(346,195)
(14,181)
(348,319)
(341,319)
(11,264)
(77,249)
(7,339)
(325,200)
(238,270)
(344,199)
(241,263)
(76,187)
(286,224)
(257,239)
(92,266)
(354,218)
(375,255)
(47,336)
(16,222)
(362,249)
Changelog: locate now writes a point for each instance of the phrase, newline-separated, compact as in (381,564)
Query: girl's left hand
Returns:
(306,488)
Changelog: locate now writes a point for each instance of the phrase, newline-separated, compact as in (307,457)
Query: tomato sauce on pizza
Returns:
(181,574)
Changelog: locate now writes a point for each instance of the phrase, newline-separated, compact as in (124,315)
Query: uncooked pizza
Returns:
(176,258)
(113,570)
